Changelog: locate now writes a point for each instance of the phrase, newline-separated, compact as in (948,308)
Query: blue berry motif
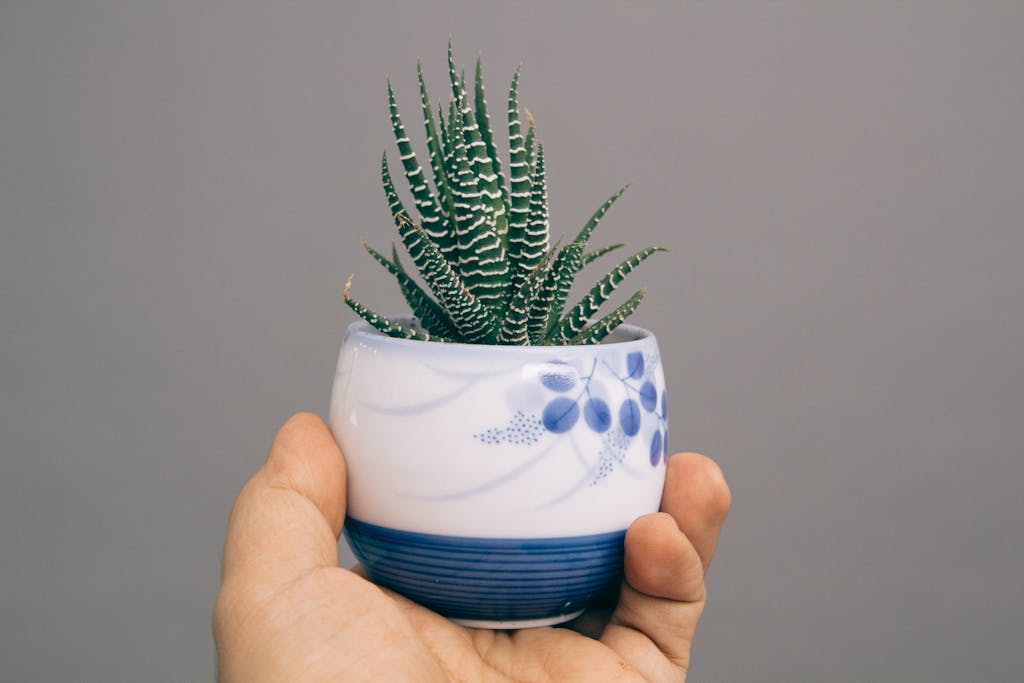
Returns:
(576,393)
(629,417)
(560,415)
(648,396)
(656,448)
(558,377)
(597,415)
(634,365)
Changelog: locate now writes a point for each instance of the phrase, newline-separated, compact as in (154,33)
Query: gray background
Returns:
(183,187)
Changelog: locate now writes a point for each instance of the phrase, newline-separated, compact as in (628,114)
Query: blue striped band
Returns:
(491,579)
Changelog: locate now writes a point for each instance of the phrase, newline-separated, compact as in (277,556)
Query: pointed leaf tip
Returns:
(348,286)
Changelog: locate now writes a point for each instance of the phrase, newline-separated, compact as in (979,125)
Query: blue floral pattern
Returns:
(571,404)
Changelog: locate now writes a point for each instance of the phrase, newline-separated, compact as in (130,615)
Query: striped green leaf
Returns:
(566,275)
(519,177)
(577,318)
(565,271)
(448,143)
(603,327)
(476,151)
(475,322)
(556,286)
(515,329)
(454,138)
(394,203)
(431,315)
(531,136)
(588,229)
(433,221)
(592,256)
(385,325)
(436,154)
(469,132)
(535,240)
(483,121)
(482,265)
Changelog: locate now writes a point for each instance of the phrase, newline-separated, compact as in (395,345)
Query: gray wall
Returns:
(183,187)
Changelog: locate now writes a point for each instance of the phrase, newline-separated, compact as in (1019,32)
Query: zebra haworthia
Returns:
(481,239)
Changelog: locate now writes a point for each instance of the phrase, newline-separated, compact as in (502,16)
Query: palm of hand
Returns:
(286,611)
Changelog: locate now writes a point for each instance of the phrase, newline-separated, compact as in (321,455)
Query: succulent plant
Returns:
(482,245)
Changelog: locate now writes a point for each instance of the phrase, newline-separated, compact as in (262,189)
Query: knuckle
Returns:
(293,438)
(717,497)
(298,425)
(718,492)
(224,607)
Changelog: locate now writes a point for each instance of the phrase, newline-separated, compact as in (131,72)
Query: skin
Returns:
(287,612)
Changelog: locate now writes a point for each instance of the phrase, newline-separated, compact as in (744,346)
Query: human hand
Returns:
(287,612)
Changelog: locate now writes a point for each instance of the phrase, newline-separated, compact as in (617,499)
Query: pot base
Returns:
(522,623)
(501,583)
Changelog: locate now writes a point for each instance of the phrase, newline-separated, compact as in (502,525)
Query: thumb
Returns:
(666,556)
(287,519)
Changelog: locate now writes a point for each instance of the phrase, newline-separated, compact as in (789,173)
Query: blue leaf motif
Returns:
(560,415)
(629,417)
(635,364)
(598,415)
(558,377)
(664,405)
(648,396)
(656,448)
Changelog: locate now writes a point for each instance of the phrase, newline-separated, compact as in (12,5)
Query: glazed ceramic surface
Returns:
(495,483)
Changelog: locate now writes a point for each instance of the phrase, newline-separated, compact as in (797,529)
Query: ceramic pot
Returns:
(494,484)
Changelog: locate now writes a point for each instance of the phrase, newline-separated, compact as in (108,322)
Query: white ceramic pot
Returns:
(494,484)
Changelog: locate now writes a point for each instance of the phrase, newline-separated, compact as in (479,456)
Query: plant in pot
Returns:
(499,441)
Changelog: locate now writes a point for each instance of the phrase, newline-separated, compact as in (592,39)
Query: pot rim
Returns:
(633,335)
